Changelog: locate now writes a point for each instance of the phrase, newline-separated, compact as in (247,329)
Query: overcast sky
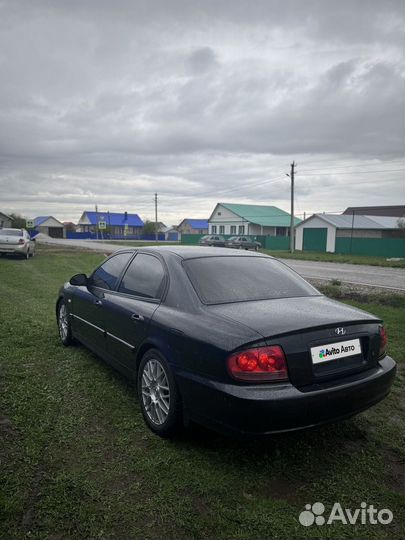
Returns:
(105,102)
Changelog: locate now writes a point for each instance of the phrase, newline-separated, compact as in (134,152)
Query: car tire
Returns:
(158,395)
(64,325)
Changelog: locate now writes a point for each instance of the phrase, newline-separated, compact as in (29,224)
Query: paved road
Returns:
(375,276)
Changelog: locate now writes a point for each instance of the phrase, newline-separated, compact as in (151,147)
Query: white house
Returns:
(6,221)
(50,226)
(117,222)
(320,231)
(193,226)
(250,219)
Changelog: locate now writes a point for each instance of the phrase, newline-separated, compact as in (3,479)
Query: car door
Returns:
(89,302)
(131,308)
(245,243)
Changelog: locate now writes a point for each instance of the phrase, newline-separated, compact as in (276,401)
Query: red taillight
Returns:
(383,341)
(21,241)
(260,364)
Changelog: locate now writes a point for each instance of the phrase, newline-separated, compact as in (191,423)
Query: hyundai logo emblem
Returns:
(340,331)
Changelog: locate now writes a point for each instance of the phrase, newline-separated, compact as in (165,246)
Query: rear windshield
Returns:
(11,232)
(221,280)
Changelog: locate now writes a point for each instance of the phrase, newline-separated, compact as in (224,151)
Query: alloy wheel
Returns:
(155,392)
(63,322)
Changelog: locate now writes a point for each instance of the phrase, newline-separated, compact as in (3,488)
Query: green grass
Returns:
(78,462)
(335,257)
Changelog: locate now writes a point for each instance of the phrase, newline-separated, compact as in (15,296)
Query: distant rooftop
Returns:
(347,221)
(393,211)
(114,218)
(41,219)
(266,216)
(196,223)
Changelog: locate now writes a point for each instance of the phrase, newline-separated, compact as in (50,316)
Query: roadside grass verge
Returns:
(365,295)
(76,460)
(335,257)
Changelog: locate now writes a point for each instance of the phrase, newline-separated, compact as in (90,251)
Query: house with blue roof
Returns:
(193,226)
(50,226)
(117,223)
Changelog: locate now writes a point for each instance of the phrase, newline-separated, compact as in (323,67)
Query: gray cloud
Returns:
(106,102)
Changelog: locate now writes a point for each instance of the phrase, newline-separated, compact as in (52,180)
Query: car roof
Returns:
(190,252)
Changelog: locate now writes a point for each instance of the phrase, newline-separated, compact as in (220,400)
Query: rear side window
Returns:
(144,277)
(106,276)
(11,232)
(221,280)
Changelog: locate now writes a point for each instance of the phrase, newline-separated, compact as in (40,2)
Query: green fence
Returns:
(279,243)
(191,239)
(380,247)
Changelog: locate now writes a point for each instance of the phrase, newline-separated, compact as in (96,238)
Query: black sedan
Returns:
(236,341)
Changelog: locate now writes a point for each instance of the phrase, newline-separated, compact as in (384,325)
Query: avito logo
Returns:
(314,514)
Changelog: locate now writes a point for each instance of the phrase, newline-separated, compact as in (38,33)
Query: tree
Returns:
(19,222)
(401,225)
(149,227)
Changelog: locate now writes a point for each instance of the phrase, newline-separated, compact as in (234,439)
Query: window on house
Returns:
(214,229)
(241,229)
(233,229)
(222,229)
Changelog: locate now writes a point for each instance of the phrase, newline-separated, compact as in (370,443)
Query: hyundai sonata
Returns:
(236,341)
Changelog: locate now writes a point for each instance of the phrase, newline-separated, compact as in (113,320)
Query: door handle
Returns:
(98,302)
(137,317)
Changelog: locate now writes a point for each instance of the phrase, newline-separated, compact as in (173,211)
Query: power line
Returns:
(355,172)
(262,182)
(358,165)
(291,176)
(364,163)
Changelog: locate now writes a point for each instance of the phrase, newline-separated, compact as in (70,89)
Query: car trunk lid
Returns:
(9,239)
(302,324)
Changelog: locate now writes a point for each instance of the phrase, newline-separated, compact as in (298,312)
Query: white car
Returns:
(17,242)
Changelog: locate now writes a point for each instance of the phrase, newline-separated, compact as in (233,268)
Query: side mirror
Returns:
(80,280)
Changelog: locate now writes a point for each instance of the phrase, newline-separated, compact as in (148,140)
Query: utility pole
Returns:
(156,218)
(291,176)
(96,222)
(351,233)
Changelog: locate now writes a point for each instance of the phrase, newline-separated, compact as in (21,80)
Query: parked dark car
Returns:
(243,242)
(215,240)
(236,341)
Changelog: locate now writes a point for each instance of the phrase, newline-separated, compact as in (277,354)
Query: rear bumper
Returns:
(13,248)
(264,409)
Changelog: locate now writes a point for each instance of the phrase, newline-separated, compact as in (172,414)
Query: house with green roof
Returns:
(250,219)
